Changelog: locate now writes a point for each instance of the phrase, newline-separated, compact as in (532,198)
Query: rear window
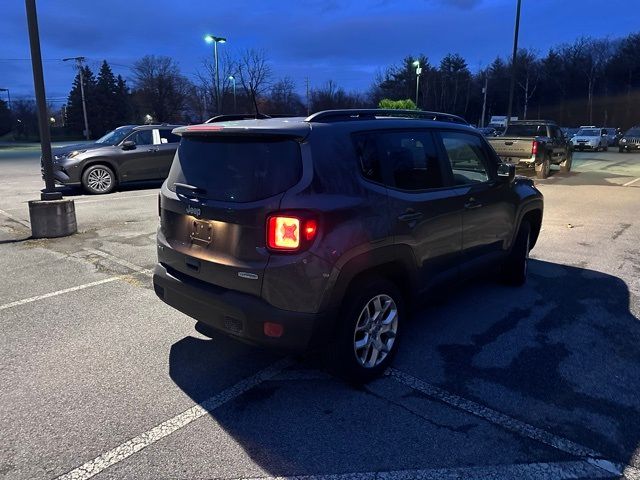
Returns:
(237,170)
(526,131)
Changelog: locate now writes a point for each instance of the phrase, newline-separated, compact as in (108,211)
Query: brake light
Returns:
(534,147)
(290,233)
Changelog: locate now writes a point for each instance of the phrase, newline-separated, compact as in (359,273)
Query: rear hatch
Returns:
(215,203)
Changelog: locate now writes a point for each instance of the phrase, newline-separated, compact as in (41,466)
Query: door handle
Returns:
(410,216)
(472,203)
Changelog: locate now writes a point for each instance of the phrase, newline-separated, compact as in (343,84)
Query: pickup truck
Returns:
(534,143)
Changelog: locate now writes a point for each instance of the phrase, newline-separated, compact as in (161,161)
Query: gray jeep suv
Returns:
(297,233)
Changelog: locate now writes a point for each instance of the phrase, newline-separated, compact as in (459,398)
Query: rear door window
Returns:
(142,137)
(406,160)
(237,170)
(167,137)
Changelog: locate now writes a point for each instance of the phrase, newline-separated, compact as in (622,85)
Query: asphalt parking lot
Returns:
(101,378)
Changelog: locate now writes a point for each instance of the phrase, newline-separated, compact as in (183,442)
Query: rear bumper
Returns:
(629,146)
(584,146)
(237,314)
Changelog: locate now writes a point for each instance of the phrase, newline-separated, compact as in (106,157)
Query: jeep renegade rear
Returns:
(297,233)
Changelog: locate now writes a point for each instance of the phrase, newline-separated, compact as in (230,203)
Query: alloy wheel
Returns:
(375,331)
(99,179)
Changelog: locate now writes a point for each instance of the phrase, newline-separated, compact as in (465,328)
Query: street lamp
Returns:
(216,40)
(8,95)
(79,61)
(235,103)
(513,63)
(418,73)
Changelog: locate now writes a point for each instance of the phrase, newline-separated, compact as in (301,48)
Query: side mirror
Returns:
(506,172)
(128,145)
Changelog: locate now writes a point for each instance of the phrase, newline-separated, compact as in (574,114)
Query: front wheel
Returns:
(514,269)
(620,150)
(98,179)
(543,169)
(605,148)
(367,337)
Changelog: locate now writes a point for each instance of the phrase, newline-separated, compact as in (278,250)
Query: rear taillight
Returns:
(534,147)
(290,233)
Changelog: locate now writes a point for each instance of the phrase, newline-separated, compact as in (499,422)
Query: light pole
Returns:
(513,63)
(235,103)
(51,216)
(484,97)
(79,61)
(216,40)
(418,72)
(8,95)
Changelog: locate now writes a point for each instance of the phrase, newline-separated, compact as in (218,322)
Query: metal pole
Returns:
(84,103)
(49,192)
(235,102)
(308,113)
(215,54)
(513,63)
(484,101)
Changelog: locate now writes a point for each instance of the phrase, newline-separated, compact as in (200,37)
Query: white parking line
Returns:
(631,182)
(586,164)
(59,292)
(522,471)
(507,422)
(15,219)
(166,428)
(119,261)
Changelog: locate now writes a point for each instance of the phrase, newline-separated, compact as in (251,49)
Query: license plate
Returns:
(201,232)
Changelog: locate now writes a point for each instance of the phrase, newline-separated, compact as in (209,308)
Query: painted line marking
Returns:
(16,219)
(521,471)
(166,428)
(631,182)
(586,164)
(59,292)
(493,416)
(119,261)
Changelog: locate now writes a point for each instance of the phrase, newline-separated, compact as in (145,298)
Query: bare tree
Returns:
(254,73)
(160,88)
(206,79)
(529,68)
(284,99)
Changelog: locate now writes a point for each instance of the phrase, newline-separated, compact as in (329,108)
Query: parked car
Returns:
(569,132)
(534,143)
(128,153)
(322,232)
(590,138)
(612,136)
(488,131)
(630,141)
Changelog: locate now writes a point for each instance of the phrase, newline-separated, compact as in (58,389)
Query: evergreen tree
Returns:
(123,106)
(106,96)
(5,118)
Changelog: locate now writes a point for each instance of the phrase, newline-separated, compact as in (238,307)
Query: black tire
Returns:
(605,148)
(543,169)
(514,268)
(98,179)
(342,356)
(620,150)
(565,165)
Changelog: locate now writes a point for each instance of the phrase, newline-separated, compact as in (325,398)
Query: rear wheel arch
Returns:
(534,218)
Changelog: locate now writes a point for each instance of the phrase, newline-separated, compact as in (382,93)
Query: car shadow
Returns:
(76,191)
(560,353)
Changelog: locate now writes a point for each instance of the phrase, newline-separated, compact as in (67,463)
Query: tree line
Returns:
(589,81)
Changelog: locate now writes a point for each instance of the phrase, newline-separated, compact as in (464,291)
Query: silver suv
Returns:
(297,233)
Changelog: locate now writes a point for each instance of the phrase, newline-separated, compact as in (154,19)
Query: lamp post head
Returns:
(213,39)
(416,63)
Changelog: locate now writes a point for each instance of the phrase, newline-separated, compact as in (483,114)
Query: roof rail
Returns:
(237,116)
(372,113)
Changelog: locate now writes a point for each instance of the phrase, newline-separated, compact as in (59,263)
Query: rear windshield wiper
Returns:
(189,190)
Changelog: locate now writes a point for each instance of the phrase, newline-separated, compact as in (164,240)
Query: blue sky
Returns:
(347,41)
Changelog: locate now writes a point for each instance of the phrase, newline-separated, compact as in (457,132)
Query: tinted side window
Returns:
(167,137)
(143,137)
(467,156)
(403,160)
(367,154)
